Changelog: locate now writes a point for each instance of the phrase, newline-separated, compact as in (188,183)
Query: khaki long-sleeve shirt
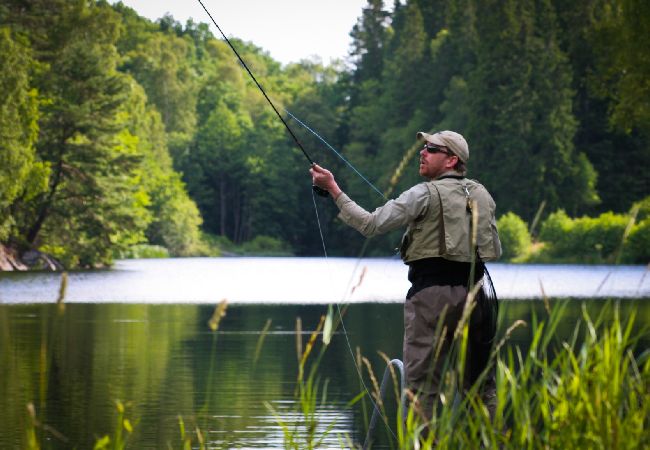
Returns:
(437,219)
(395,214)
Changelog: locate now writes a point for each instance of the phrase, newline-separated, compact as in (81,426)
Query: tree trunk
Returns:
(237,217)
(44,209)
(222,206)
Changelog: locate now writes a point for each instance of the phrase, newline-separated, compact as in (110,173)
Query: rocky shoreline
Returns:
(12,260)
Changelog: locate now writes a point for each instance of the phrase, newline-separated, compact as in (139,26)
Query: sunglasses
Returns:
(431,148)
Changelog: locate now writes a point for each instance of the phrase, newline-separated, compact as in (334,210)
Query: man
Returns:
(437,247)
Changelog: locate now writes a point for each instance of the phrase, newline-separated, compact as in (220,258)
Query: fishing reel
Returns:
(320,191)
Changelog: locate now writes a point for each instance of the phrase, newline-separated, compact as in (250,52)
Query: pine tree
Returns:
(604,41)
(369,37)
(93,204)
(520,122)
(406,67)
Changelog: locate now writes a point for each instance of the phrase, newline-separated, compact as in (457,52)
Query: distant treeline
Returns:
(117,131)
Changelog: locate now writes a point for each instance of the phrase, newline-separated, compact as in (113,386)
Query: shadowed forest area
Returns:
(122,136)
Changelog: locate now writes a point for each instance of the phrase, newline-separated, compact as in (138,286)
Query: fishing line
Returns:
(336,153)
(345,331)
(320,229)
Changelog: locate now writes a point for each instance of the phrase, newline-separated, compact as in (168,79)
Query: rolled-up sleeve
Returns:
(392,215)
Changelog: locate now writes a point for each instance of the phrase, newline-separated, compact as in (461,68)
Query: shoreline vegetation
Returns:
(213,246)
(607,239)
(126,137)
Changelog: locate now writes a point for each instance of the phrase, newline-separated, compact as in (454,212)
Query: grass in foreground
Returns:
(588,391)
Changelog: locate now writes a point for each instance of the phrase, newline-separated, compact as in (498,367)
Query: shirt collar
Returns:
(450,174)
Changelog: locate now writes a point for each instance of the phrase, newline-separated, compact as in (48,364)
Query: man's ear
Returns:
(452,161)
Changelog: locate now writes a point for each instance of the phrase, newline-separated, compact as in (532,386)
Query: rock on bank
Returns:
(11,259)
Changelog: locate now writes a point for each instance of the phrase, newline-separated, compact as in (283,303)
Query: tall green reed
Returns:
(121,432)
(311,393)
(36,430)
(186,438)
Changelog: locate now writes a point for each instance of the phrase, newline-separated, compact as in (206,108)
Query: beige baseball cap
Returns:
(450,139)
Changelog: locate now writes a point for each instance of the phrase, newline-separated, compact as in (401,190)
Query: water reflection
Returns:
(162,362)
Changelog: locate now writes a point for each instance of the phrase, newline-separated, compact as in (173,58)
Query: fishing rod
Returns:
(320,191)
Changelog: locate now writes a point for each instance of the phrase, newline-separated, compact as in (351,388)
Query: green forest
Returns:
(121,135)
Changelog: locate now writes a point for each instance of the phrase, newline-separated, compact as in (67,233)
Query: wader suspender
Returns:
(487,299)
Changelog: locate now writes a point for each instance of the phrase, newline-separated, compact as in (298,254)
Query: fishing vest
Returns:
(444,230)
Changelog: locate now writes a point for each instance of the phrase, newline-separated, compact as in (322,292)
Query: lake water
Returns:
(304,281)
(139,334)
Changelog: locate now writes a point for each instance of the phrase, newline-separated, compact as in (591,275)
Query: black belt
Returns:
(428,272)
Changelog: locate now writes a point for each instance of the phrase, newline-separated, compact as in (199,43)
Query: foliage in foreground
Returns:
(586,391)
